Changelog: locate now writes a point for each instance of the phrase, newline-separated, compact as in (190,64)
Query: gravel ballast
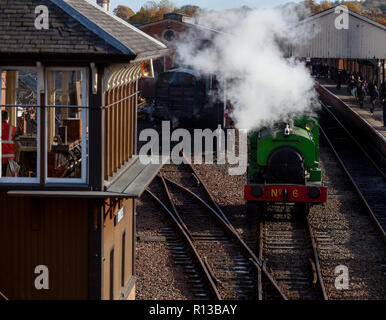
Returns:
(344,232)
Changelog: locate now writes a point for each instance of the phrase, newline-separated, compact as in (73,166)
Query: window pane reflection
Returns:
(19,123)
(64,124)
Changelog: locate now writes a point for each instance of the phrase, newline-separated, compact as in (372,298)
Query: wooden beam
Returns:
(135,120)
(110,135)
(106,137)
(96,134)
(113,99)
(126,124)
(95,230)
(122,120)
(115,127)
(120,133)
(50,112)
(78,86)
(43,146)
(130,121)
(65,94)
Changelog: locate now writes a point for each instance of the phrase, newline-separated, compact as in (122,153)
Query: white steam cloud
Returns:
(266,86)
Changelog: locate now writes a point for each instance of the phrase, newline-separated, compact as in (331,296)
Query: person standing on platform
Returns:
(374,97)
(344,75)
(338,80)
(361,95)
(366,87)
(353,86)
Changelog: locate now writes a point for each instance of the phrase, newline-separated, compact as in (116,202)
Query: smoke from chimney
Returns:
(105,4)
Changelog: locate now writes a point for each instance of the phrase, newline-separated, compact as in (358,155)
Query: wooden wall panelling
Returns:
(107,138)
(126,124)
(114,125)
(96,130)
(110,133)
(57,240)
(130,135)
(120,127)
(124,90)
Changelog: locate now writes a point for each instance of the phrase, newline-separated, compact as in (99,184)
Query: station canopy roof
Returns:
(364,38)
(75,27)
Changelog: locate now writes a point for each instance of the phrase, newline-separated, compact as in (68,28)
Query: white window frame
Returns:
(84,144)
(25,180)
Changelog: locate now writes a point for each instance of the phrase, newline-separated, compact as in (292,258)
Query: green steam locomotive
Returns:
(284,166)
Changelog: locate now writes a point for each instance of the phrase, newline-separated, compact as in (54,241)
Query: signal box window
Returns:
(66,126)
(19,124)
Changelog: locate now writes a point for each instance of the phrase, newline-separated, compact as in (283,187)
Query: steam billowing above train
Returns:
(264,85)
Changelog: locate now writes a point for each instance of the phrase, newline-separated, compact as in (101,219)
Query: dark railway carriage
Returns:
(67,193)
(187,98)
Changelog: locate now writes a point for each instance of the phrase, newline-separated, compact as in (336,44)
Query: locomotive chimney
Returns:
(105,4)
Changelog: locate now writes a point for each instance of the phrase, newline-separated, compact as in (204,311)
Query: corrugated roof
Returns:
(361,39)
(354,14)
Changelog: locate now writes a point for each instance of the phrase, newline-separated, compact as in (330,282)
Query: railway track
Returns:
(288,248)
(232,265)
(366,176)
(185,254)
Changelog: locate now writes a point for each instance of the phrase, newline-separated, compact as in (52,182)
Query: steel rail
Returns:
(352,180)
(214,202)
(171,202)
(316,261)
(259,276)
(205,188)
(313,258)
(355,141)
(255,261)
(187,238)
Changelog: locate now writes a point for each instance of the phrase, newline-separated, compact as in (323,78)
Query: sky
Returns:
(206,4)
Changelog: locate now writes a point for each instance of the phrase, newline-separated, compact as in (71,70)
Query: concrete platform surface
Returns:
(375,121)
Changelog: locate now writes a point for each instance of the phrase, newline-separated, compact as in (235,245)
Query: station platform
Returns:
(375,121)
(347,105)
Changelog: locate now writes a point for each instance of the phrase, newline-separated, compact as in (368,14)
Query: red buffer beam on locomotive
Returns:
(285,193)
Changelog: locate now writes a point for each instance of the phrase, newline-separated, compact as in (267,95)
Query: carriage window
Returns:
(66,126)
(19,125)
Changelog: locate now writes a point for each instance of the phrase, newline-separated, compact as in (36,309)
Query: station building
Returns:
(174,28)
(69,85)
(360,48)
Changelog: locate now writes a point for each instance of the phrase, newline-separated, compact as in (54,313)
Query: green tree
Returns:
(124,12)
(353,6)
(152,11)
(311,6)
(375,14)
(325,5)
